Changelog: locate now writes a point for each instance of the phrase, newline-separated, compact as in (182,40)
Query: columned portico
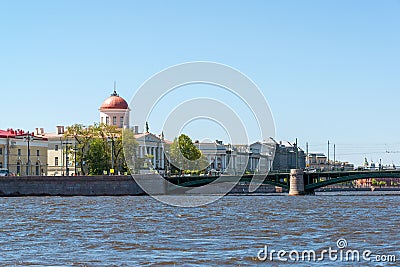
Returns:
(150,151)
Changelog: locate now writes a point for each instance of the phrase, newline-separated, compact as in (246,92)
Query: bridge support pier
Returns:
(296,183)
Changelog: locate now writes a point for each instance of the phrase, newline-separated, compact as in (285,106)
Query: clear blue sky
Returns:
(329,69)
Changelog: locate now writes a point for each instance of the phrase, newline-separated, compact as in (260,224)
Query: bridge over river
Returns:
(296,181)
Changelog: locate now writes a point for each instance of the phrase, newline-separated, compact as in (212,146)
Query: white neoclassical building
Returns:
(115,111)
(150,147)
(236,159)
(215,153)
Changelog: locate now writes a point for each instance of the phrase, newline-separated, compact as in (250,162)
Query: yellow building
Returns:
(23,153)
(59,163)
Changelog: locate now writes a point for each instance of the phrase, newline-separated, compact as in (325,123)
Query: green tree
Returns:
(112,141)
(129,148)
(83,136)
(106,142)
(188,150)
(185,155)
(97,157)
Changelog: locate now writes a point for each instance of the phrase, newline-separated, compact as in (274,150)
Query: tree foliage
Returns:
(130,147)
(95,143)
(82,136)
(97,157)
(184,155)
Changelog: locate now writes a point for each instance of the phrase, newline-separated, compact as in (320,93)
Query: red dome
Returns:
(114,102)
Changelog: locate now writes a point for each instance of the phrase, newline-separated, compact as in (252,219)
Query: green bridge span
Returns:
(312,180)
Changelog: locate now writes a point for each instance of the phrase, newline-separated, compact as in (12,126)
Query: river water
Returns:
(134,231)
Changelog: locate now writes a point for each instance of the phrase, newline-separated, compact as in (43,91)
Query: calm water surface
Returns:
(132,231)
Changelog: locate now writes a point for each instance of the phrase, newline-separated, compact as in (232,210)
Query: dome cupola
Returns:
(114,102)
(115,111)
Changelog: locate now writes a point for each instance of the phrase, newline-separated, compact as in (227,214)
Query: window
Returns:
(107,120)
(56,161)
(1,151)
(101,120)
(19,152)
(115,120)
(18,168)
(37,169)
(38,152)
(121,121)
(1,164)
(56,147)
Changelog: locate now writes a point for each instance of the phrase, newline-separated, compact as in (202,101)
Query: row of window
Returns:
(114,120)
(19,152)
(37,168)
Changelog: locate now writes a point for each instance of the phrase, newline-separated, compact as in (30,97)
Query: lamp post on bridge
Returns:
(328,157)
(334,157)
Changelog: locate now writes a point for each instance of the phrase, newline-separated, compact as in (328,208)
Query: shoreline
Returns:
(101,185)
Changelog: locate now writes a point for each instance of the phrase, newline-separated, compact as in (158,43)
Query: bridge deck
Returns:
(312,180)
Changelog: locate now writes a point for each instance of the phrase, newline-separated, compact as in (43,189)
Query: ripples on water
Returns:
(131,231)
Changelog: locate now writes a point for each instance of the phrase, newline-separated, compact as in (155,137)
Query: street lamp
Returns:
(112,151)
(66,143)
(75,150)
(28,138)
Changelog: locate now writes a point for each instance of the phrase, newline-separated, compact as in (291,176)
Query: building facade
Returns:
(261,156)
(23,153)
(150,152)
(59,162)
(238,159)
(215,153)
(288,156)
(115,111)
(320,162)
(317,161)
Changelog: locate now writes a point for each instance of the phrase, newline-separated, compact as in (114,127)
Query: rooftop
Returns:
(114,102)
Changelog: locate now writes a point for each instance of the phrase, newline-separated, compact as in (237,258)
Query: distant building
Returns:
(150,150)
(261,156)
(342,166)
(288,156)
(319,162)
(115,111)
(59,162)
(237,159)
(215,153)
(23,153)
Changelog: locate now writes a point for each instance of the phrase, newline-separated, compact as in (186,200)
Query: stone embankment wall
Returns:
(69,186)
(97,186)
